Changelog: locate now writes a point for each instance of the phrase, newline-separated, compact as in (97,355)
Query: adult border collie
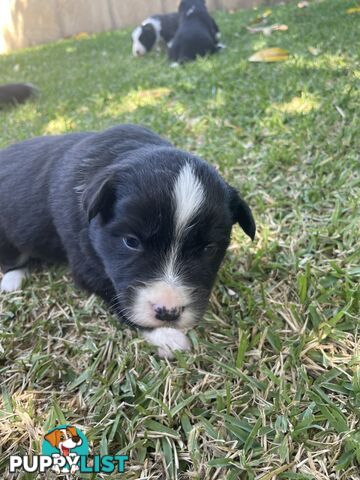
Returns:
(197,35)
(153,31)
(141,223)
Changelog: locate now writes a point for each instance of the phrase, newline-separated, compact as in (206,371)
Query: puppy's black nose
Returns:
(167,315)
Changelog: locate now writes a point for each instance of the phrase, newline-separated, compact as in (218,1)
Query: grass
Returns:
(272,388)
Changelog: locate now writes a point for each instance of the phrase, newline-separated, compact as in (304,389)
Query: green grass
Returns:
(272,388)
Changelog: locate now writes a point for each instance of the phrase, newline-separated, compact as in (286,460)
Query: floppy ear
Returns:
(53,438)
(241,213)
(72,431)
(147,27)
(99,197)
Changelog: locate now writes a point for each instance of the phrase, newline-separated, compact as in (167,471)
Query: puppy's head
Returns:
(160,222)
(144,38)
(188,7)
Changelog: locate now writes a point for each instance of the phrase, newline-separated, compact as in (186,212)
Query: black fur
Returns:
(78,197)
(169,25)
(148,36)
(197,34)
(13,93)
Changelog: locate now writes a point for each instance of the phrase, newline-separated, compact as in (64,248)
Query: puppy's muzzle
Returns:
(167,315)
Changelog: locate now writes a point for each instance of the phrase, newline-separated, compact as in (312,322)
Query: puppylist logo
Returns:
(65,450)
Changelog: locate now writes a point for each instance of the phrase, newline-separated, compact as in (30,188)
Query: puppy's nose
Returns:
(76,439)
(168,314)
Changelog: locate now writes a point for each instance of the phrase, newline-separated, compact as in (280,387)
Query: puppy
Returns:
(14,93)
(153,31)
(142,224)
(198,33)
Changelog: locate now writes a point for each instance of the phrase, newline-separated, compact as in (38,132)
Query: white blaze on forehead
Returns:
(136,33)
(189,196)
(137,48)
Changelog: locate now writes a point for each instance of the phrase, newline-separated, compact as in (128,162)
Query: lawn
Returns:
(272,388)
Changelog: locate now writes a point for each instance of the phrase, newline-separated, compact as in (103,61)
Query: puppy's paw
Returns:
(168,340)
(177,341)
(12,280)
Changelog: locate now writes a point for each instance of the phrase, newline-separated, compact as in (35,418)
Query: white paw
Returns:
(168,340)
(174,65)
(12,280)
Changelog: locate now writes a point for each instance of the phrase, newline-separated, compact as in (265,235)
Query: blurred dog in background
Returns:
(197,35)
(14,93)
(153,32)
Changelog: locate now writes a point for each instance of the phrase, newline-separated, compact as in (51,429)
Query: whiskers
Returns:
(134,305)
(124,313)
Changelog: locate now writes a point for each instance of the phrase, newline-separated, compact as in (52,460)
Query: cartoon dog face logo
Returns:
(64,440)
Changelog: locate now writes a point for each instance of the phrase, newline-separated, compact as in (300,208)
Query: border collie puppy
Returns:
(142,224)
(153,31)
(198,33)
(14,93)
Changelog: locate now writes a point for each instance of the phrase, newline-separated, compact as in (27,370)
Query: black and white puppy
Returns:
(141,223)
(153,31)
(197,35)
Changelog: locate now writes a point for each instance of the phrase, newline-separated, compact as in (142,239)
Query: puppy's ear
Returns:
(241,213)
(53,438)
(99,197)
(72,431)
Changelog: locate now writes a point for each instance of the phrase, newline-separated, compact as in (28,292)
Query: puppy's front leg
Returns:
(168,340)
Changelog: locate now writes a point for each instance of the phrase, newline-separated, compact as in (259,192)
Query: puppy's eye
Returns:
(210,249)
(132,243)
